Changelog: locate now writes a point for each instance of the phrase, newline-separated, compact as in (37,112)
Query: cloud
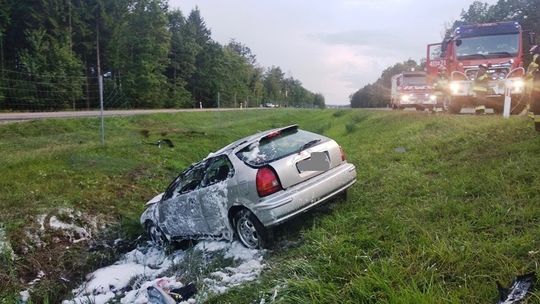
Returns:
(372,3)
(370,42)
(358,37)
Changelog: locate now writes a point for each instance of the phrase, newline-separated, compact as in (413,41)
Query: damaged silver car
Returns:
(249,186)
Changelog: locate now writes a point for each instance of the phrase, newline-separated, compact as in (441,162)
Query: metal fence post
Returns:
(100,82)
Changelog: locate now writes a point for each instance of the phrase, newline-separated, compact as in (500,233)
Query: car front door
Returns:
(180,213)
(214,195)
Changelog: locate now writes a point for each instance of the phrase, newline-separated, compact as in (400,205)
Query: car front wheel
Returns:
(249,229)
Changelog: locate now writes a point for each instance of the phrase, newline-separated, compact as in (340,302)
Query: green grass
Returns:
(438,223)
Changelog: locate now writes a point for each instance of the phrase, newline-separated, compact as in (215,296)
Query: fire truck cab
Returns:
(499,46)
(411,90)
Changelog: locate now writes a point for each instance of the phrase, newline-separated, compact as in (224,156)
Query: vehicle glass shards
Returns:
(277,145)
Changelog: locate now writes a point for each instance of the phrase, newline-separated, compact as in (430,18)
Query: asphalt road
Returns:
(7,117)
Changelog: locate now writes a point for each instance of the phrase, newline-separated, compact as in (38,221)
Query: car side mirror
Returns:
(459,42)
(444,46)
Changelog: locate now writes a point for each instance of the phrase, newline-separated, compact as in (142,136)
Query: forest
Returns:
(526,12)
(150,56)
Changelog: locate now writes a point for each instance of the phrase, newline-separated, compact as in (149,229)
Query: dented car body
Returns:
(249,186)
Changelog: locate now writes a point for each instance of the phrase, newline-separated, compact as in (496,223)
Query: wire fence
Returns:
(22,91)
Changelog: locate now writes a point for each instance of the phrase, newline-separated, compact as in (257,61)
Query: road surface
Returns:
(7,117)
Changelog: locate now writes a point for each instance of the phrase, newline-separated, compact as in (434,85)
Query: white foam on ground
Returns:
(150,266)
(25,296)
(82,234)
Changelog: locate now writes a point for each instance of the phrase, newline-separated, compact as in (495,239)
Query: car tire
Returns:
(249,230)
(156,236)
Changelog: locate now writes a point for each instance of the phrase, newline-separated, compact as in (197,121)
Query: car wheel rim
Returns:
(247,232)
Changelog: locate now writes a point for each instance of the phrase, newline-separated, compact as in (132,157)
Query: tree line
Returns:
(152,56)
(526,12)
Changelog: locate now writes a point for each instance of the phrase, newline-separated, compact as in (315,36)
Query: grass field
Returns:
(444,206)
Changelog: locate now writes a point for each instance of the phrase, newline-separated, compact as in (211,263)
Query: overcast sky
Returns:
(332,46)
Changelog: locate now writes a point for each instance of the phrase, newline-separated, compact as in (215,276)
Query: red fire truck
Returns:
(498,46)
(411,90)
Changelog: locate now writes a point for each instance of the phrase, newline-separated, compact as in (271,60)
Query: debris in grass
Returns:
(518,290)
(400,150)
(38,278)
(158,295)
(216,265)
(164,141)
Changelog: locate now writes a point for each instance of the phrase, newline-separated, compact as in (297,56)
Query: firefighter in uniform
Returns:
(481,86)
(533,75)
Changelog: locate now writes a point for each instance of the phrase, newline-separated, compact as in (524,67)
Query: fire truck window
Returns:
(435,52)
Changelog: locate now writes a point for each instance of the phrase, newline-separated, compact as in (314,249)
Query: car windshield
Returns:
(488,47)
(278,145)
(414,80)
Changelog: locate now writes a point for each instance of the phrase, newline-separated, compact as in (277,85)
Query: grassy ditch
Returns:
(444,206)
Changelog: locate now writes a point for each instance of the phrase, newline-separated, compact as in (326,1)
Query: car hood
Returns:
(154,200)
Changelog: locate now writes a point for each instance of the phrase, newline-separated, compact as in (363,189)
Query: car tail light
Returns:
(343,156)
(267,182)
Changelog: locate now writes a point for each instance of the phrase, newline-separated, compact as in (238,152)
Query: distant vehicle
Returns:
(410,90)
(270,105)
(500,47)
(249,186)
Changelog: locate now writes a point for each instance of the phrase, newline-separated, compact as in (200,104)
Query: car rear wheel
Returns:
(156,235)
(249,229)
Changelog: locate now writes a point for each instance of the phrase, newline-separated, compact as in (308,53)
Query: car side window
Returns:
(185,182)
(172,187)
(191,179)
(219,170)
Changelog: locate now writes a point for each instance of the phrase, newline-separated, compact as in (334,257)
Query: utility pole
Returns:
(100,84)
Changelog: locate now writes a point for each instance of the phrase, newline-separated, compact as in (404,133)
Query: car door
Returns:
(214,194)
(180,213)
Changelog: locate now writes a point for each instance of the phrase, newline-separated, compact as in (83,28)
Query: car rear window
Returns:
(278,145)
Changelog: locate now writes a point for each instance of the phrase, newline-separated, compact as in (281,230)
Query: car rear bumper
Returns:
(300,198)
